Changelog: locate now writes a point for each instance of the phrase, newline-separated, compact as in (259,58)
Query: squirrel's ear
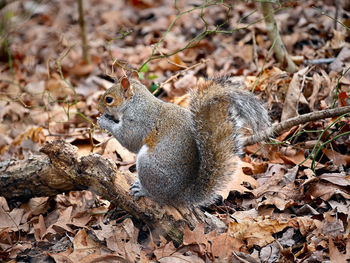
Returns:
(134,75)
(126,86)
(125,83)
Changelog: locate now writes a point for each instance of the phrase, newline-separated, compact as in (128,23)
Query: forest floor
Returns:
(291,199)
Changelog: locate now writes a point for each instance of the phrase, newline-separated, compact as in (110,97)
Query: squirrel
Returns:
(184,156)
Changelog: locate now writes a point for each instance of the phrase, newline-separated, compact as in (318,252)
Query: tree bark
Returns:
(59,169)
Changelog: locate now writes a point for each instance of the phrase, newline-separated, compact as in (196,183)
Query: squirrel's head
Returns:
(116,96)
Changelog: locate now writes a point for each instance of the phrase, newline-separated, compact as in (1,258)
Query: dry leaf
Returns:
(294,95)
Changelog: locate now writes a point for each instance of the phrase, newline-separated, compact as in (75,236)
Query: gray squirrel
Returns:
(184,156)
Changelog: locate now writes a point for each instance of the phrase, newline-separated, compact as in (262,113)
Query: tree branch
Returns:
(287,124)
(60,169)
(275,37)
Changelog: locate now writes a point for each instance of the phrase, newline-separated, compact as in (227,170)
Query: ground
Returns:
(290,201)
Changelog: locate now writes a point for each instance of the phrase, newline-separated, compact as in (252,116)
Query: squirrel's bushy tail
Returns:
(221,112)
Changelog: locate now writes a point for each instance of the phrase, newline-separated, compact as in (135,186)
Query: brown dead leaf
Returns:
(62,257)
(121,239)
(316,78)
(239,216)
(85,249)
(183,84)
(335,254)
(272,177)
(325,190)
(294,96)
(278,188)
(337,158)
(37,205)
(13,111)
(332,226)
(238,181)
(61,225)
(196,236)
(269,80)
(11,220)
(36,89)
(113,148)
(182,101)
(83,245)
(305,224)
(108,258)
(338,40)
(336,178)
(297,158)
(326,86)
(338,64)
(164,251)
(3,204)
(256,231)
(224,245)
(39,228)
(57,88)
(172,63)
(82,69)
(255,168)
(286,134)
(180,258)
(221,246)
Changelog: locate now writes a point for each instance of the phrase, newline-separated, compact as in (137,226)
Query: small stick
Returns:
(255,50)
(320,61)
(336,14)
(172,62)
(84,44)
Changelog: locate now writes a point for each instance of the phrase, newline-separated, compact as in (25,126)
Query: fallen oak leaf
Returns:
(256,231)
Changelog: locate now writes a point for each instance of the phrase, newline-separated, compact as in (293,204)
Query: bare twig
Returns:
(320,61)
(287,124)
(274,35)
(336,14)
(84,44)
(205,32)
(255,50)
(335,20)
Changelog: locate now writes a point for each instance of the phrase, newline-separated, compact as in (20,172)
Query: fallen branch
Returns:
(60,170)
(287,124)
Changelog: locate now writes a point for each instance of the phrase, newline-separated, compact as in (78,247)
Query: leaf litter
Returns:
(280,208)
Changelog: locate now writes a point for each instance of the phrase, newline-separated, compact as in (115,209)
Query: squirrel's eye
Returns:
(109,100)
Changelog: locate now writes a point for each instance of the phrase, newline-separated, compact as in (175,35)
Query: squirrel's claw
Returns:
(137,191)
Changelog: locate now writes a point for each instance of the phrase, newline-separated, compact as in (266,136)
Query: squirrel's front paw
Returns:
(137,190)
